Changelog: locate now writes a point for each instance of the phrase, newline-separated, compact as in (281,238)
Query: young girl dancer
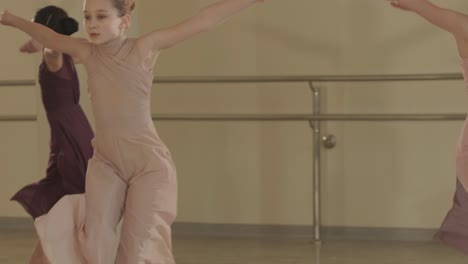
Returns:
(454,229)
(71,134)
(131,173)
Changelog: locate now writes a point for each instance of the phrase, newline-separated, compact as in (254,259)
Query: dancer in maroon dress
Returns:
(71,134)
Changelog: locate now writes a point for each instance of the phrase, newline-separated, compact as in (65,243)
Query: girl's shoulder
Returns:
(88,48)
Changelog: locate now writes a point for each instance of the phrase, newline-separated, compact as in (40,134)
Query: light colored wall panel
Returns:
(18,156)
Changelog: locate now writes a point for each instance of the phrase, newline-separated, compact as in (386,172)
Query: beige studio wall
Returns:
(18,139)
(381,174)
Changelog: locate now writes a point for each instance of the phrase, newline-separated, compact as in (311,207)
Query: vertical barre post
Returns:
(315,125)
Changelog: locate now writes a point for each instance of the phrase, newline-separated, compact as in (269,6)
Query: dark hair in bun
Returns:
(56,19)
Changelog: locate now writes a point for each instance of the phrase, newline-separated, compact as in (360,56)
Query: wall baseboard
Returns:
(271,231)
(304,232)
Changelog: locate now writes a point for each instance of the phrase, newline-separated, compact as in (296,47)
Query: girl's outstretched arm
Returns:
(75,47)
(449,20)
(33,46)
(205,19)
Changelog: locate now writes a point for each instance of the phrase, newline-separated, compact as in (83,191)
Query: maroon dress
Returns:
(70,141)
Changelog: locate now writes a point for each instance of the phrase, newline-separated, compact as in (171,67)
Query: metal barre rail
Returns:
(309,117)
(276,79)
(282,117)
(310,78)
(17,118)
(17,83)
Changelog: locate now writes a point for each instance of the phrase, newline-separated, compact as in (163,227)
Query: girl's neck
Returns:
(112,46)
(118,39)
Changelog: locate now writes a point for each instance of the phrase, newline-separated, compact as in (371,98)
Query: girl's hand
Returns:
(31,46)
(6,18)
(402,4)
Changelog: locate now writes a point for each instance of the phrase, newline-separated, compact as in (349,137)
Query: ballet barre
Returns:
(309,78)
(308,117)
(17,118)
(17,83)
(316,118)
